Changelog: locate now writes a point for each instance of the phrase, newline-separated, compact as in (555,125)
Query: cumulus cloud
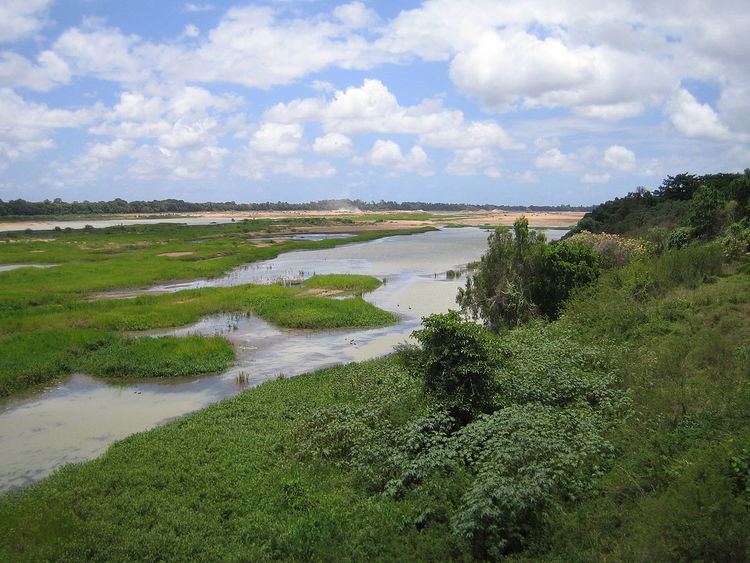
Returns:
(26,128)
(387,154)
(21,18)
(153,161)
(619,158)
(277,138)
(594,178)
(557,160)
(469,162)
(333,144)
(19,72)
(696,120)
(260,167)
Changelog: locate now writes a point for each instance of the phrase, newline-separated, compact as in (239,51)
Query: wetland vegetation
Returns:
(54,323)
(600,413)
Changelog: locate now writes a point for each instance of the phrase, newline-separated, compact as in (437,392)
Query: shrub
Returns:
(564,267)
(679,237)
(456,364)
(613,251)
(499,290)
(520,277)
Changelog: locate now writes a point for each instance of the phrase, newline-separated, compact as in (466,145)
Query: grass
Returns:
(235,481)
(48,326)
(159,357)
(346,282)
(45,342)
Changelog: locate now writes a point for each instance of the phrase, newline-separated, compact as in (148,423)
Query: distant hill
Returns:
(20,207)
(678,202)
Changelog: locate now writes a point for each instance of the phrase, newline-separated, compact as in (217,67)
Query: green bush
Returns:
(520,277)
(679,237)
(456,364)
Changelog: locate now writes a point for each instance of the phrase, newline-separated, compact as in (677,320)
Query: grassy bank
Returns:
(140,256)
(618,432)
(40,343)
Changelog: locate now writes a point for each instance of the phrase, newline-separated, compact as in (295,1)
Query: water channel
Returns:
(76,419)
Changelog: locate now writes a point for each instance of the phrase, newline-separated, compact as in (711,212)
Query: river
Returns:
(77,418)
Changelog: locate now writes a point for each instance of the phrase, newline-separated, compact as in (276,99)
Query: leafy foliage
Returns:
(456,364)
(499,290)
(520,277)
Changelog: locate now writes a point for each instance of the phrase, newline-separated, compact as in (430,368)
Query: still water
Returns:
(78,418)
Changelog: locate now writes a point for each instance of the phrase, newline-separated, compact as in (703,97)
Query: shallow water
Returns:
(9,267)
(79,418)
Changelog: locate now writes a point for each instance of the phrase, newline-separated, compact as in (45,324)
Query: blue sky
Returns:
(512,102)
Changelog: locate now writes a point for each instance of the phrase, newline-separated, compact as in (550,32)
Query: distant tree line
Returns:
(20,207)
(667,206)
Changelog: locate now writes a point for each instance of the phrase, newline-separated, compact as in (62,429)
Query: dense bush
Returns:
(614,251)
(564,267)
(456,364)
(499,290)
(520,277)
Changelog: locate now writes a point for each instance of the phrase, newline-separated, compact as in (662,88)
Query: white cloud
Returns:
(355,15)
(472,134)
(187,117)
(619,158)
(469,162)
(555,159)
(191,31)
(27,121)
(191,7)
(21,18)
(281,139)
(387,154)
(105,53)
(260,167)
(370,108)
(593,178)
(18,72)
(333,144)
(696,120)
(26,127)
(153,162)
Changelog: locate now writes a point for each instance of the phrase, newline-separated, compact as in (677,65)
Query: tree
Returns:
(456,364)
(566,266)
(499,290)
(704,217)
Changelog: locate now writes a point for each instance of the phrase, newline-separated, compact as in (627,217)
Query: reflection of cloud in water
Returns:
(77,419)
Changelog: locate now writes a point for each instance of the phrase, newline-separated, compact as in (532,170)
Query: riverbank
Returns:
(269,474)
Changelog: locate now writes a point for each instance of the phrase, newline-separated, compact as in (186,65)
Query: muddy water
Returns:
(79,418)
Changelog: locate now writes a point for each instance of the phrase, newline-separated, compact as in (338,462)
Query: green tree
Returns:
(499,290)
(565,267)
(456,364)
(705,215)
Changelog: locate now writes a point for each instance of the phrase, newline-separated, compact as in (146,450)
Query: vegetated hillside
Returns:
(672,205)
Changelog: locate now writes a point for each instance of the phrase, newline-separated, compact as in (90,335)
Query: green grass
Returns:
(346,282)
(159,357)
(41,343)
(48,323)
(621,433)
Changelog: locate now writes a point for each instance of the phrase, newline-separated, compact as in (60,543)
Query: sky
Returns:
(477,101)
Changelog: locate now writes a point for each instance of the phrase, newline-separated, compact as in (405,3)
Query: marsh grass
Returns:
(48,325)
(158,357)
(346,282)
